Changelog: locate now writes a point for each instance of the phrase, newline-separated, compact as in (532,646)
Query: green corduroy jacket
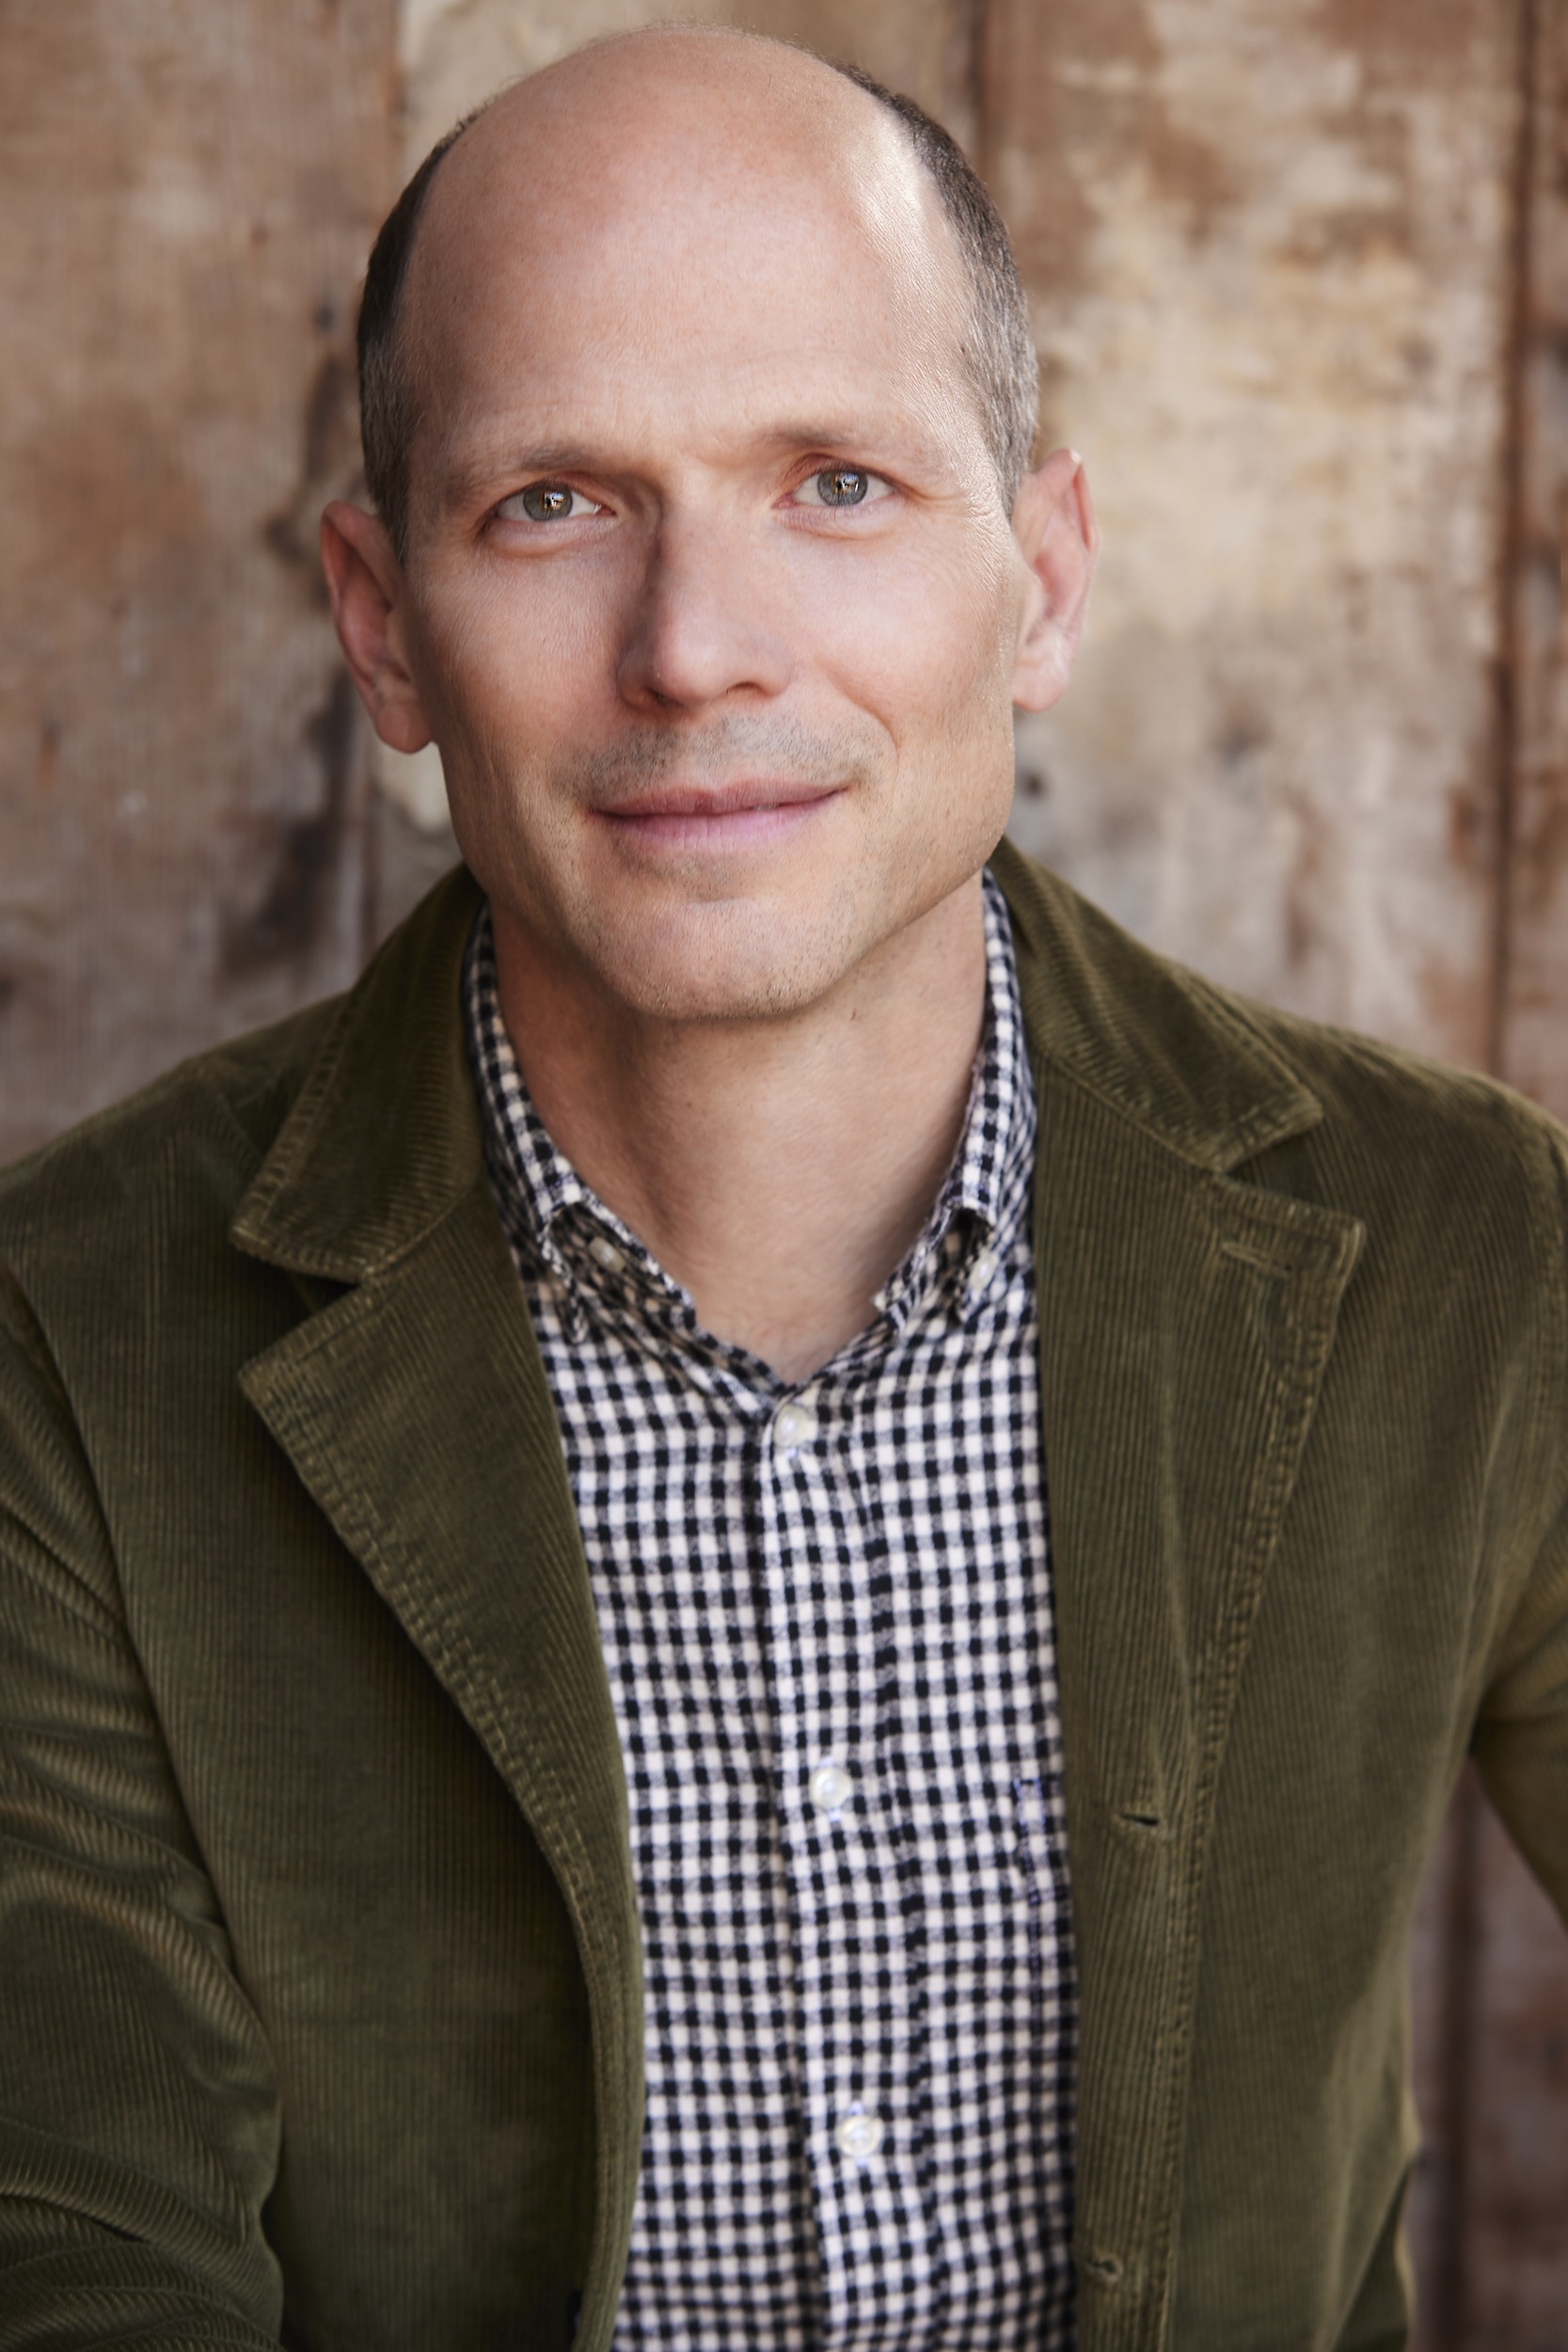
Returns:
(320,2002)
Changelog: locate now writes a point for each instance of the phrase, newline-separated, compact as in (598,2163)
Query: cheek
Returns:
(944,654)
(518,657)
(926,643)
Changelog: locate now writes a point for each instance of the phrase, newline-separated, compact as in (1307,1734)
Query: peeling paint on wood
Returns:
(189,194)
(1267,245)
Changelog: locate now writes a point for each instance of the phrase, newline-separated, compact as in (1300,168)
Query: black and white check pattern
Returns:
(826,1616)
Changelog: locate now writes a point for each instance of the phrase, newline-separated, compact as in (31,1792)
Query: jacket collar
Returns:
(383,1140)
(1155,1042)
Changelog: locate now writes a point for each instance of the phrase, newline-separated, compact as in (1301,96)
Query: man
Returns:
(542,1468)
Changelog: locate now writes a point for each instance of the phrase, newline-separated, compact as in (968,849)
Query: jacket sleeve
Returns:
(1521,1735)
(138,2111)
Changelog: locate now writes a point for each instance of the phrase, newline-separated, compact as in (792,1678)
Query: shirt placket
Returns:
(857,2023)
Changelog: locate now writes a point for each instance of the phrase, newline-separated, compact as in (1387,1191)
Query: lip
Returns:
(730,816)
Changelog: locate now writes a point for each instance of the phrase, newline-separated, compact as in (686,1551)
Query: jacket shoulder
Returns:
(1251,1088)
(180,1153)
(1427,1132)
(188,1143)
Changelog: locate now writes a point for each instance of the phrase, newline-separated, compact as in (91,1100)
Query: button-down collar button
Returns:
(859,2134)
(793,1426)
(829,1787)
(980,1273)
(603,1250)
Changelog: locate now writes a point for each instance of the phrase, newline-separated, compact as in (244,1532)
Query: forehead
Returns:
(673,254)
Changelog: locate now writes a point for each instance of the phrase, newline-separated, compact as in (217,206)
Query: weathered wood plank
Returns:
(1534,1041)
(187,197)
(1268,246)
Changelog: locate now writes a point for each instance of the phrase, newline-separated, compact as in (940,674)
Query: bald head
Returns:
(623,140)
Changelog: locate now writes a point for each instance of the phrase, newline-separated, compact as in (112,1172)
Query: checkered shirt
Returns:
(826,1616)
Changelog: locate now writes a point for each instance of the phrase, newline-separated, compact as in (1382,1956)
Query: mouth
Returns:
(753,810)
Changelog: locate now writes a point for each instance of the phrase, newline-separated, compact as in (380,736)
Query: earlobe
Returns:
(365,586)
(1054,525)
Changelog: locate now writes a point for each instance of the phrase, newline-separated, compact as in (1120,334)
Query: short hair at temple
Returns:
(997,346)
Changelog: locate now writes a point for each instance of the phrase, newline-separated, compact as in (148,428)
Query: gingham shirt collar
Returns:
(551,1211)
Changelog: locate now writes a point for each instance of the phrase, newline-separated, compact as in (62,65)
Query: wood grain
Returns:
(1268,246)
(1533,1048)
(188,194)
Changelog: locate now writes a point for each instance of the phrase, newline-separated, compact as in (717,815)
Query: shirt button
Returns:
(793,1426)
(980,1273)
(604,1250)
(859,2134)
(829,1787)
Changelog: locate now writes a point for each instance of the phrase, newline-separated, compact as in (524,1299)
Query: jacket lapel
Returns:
(415,1409)
(1186,1322)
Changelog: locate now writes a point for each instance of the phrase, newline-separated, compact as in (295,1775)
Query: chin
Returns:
(703,970)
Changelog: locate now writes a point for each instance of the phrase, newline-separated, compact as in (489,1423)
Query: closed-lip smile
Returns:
(724,815)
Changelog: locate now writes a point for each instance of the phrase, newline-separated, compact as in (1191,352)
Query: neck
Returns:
(778,1169)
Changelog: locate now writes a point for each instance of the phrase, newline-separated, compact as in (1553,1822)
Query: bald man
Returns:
(735,1616)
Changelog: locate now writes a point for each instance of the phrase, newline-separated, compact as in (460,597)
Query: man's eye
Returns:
(546,503)
(841,485)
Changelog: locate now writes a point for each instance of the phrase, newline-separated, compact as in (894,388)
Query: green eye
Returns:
(542,502)
(841,487)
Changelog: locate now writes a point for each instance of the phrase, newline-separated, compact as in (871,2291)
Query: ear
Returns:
(365,582)
(1054,526)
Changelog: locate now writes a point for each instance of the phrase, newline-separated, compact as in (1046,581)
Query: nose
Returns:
(700,630)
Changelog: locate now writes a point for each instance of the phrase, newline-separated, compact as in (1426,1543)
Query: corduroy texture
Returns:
(319,1982)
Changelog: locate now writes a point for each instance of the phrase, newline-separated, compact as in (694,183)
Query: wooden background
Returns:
(1300,278)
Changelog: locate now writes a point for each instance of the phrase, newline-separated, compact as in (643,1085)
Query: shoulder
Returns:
(1442,1137)
(1270,1096)
(189,1143)
(165,1170)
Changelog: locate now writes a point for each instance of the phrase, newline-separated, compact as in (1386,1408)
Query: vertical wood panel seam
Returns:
(1506,727)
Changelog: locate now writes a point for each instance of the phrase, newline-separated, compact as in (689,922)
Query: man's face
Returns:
(711,602)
